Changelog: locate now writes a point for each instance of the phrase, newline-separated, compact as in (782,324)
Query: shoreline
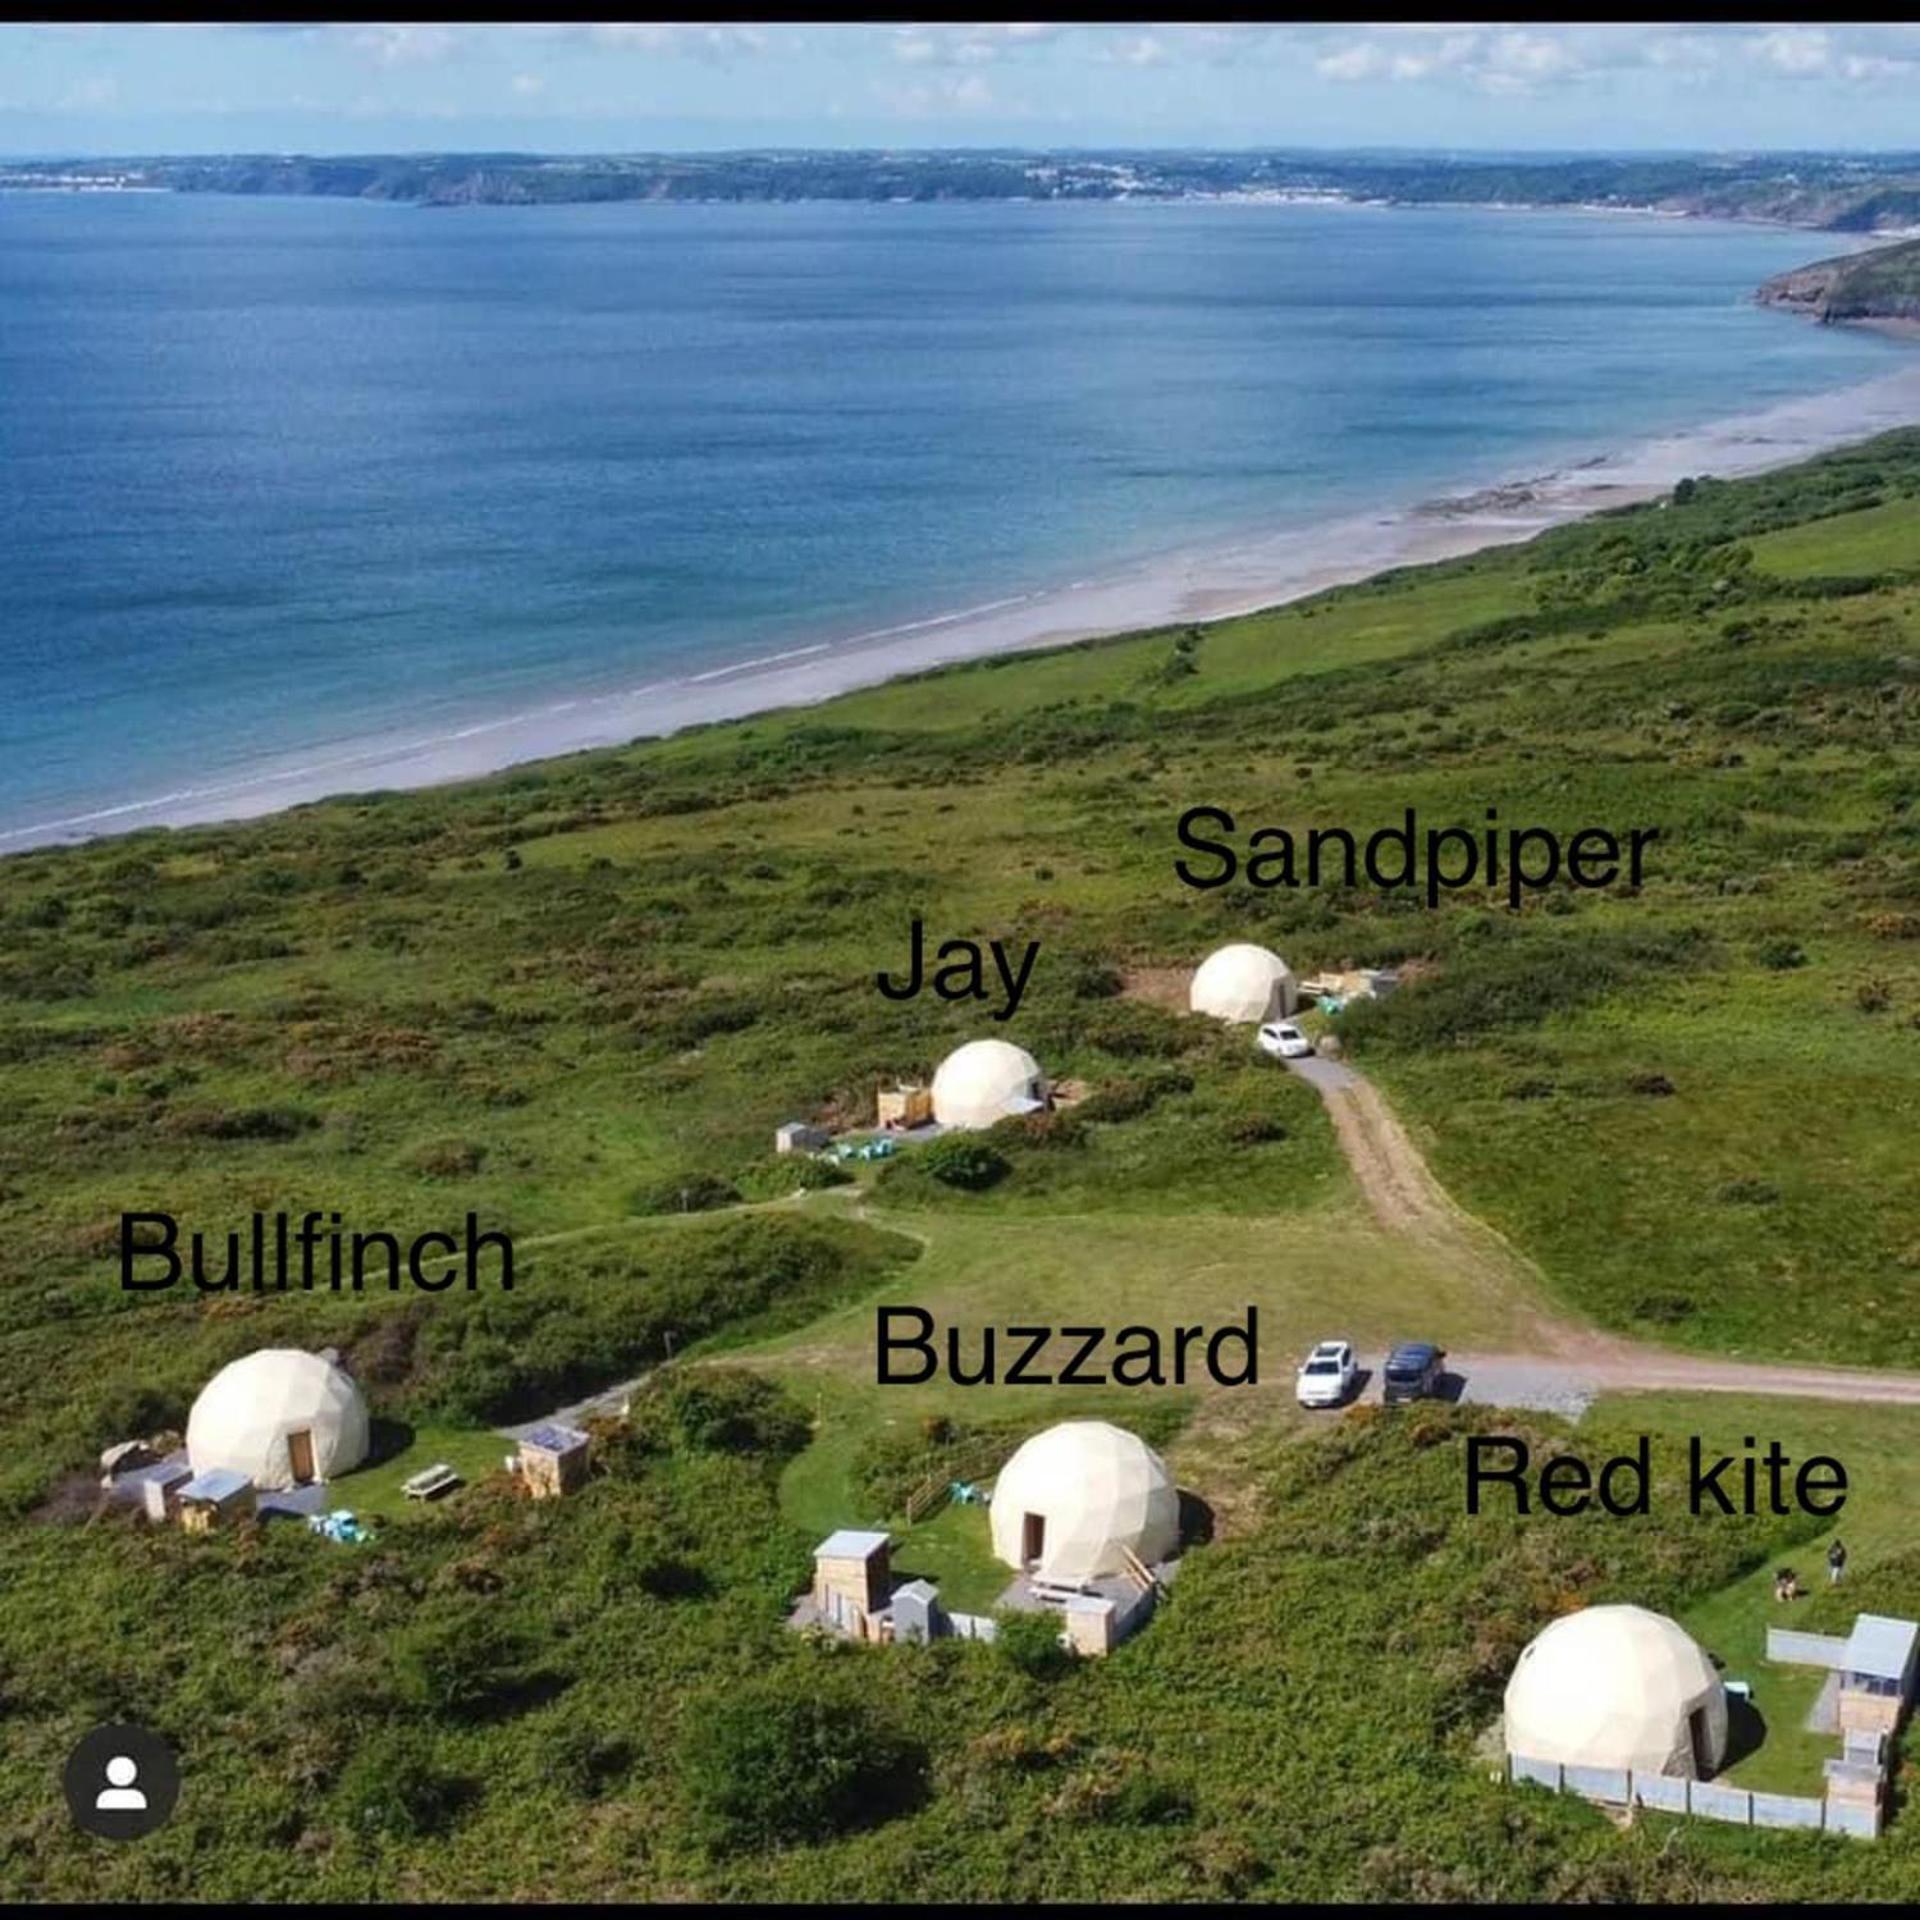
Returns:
(1221,580)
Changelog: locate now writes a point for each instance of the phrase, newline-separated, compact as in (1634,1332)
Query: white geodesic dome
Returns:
(984,1081)
(250,1416)
(1617,1687)
(1082,1493)
(1243,983)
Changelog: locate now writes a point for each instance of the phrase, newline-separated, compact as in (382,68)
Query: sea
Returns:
(281,477)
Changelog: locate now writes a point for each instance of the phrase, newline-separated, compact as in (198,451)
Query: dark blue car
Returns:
(1413,1372)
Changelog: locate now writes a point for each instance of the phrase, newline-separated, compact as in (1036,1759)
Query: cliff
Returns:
(1883,284)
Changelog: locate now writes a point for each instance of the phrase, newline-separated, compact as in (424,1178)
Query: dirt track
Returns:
(1564,1359)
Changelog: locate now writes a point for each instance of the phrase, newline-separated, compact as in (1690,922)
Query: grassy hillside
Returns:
(570,996)
(1883,284)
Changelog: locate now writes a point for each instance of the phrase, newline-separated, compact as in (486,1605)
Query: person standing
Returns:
(1836,1563)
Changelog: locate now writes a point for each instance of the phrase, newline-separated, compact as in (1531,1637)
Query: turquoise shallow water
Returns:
(277,475)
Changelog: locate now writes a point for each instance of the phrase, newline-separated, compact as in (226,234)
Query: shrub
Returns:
(464,1667)
(728,1410)
(685,1193)
(393,1788)
(242,1123)
(1057,1128)
(446,1159)
(1780,955)
(1093,981)
(1031,1642)
(783,1173)
(1128,1099)
(768,1763)
(1252,1127)
(957,1161)
(1873,996)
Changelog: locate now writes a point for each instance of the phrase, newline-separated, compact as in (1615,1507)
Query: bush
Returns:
(1873,996)
(1049,1129)
(464,1667)
(1252,1127)
(784,1173)
(446,1159)
(242,1123)
(1780,955)
(685,1193)
(767,1763)
(727,1410)
(393,1788)
(1128,1099)
(1031,1642)
(957,1161)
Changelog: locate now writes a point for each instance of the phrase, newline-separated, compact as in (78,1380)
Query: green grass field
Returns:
(577,998)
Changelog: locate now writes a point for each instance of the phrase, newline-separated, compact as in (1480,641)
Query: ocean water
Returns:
(280,475)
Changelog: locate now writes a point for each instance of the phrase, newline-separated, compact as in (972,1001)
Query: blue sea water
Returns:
(276,475)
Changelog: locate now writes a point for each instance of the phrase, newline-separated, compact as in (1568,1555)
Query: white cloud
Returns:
(974,46)
(1362,62)
(941,95)
(405,46)
(712,43)
(1797,49)
(1145,50)
(526,84)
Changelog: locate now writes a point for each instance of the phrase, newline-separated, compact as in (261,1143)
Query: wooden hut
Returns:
(1877,1673)
(553,1460)
(213,1499)
(907,1105)
(852,1580)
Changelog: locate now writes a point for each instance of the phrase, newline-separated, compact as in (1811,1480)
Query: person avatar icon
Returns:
(120,1795)
(121,1781)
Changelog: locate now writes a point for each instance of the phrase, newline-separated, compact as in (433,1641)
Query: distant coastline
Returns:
(1205,583)
(1838,193)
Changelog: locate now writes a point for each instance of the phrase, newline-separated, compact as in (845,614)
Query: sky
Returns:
(121,89)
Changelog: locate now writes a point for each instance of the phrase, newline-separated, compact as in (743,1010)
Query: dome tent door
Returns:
(1033,1538)
(300,1456)
(1700,1737)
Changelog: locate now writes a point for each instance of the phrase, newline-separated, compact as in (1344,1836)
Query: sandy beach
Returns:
(1199,583)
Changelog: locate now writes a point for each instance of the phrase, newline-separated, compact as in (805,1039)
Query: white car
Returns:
(1326,1375)
(1283,1040)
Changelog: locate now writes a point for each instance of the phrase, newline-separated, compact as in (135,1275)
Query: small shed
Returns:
(799,1136)
(553,1460)
(214,1498)
(1089,1623)
(160,1489)
(1877,1673)
(916,1612)
(907,1105)
(852,1579)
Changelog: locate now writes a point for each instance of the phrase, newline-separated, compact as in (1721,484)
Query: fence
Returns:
(1672,1793)
(971,1626)
(977,1461)
(1805,1649)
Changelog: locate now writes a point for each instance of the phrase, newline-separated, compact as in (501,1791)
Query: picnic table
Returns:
(430,1482)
